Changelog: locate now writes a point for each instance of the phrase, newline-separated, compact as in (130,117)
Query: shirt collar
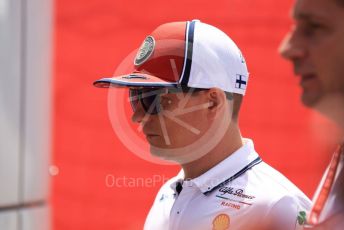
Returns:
(177,179)
(234,164)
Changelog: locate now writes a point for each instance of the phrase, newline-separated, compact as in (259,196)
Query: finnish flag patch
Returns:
(241,82)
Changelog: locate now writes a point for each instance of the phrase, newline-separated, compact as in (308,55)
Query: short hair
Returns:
(237,101)
(340,2)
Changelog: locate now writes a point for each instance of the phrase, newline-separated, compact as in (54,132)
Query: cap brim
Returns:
(134,80)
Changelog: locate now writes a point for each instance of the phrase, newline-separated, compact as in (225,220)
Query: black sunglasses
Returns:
(150,97)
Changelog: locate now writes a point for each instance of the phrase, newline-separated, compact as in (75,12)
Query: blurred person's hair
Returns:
(340,2)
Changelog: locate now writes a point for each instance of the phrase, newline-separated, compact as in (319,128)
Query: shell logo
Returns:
(221,222)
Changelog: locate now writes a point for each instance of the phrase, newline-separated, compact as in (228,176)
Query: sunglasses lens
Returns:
(151,100)
(133,98)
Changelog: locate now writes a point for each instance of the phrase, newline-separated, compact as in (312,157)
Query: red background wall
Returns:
(92,37)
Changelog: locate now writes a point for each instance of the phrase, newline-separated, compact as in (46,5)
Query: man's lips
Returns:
(306,78)
(149,132)
(151,135)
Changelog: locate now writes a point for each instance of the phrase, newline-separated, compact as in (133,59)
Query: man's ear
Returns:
(216,99)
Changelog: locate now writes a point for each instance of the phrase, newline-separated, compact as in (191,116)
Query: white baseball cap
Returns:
(191,54)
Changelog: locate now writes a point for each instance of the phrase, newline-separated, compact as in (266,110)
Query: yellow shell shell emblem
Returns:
(221,222)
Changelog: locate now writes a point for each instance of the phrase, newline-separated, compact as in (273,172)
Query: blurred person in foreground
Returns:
(315,46)
(185,88)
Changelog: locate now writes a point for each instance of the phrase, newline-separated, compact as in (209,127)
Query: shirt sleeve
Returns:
(287,214)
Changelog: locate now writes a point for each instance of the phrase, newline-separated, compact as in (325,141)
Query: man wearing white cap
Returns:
(186,87)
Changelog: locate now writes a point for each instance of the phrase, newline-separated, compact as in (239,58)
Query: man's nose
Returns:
(292,47)
(138,114)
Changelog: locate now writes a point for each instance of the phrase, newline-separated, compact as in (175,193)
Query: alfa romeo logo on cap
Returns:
(145,50)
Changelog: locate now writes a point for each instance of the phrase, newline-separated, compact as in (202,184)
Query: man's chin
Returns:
(160,152)
(163,154)
(176,155)
(310,100)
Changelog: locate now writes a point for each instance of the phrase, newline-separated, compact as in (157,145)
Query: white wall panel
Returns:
(38,99)
(35,219)
(10,95)
(9,220)
(25,102)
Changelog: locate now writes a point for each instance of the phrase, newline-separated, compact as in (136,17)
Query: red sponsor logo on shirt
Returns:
(231,205)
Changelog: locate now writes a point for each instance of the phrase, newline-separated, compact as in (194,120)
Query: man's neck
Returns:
(333,107)
(231,142)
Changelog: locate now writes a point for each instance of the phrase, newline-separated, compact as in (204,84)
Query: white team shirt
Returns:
(238,193)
